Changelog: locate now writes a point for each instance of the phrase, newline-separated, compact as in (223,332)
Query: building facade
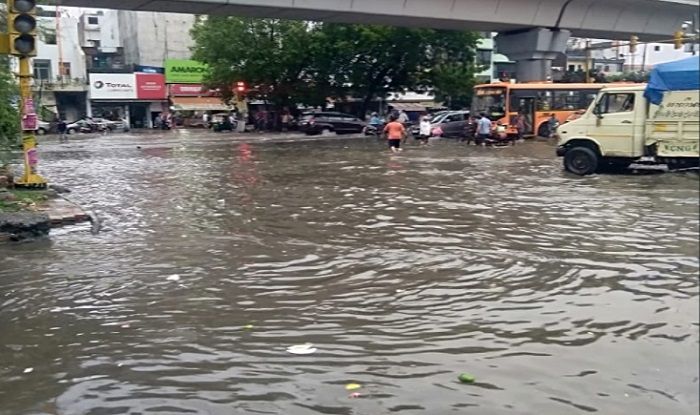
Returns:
(151,38)
(60,86)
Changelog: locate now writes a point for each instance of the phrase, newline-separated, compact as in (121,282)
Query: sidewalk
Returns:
(38,219)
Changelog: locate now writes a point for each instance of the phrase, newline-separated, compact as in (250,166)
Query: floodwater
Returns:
(561,295)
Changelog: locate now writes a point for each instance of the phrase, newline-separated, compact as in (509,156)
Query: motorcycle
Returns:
(374,129)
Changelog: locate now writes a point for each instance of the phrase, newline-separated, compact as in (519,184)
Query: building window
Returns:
(657,48)
(572,68)
(483,57)
(65,69)
(93,20)
(42,69)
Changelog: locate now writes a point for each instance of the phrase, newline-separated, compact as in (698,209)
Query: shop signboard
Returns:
(183,71)
(113,86)
(149,69)
(191,90)
(150,86)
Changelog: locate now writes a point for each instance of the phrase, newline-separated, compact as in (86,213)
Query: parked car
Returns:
(434,119)
(43,128)
(453,124)
(111,124)
(83,125)
(337,122)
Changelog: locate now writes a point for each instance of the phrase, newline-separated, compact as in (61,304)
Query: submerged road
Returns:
(560,294)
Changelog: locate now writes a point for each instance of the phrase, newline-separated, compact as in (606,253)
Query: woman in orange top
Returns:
(395,132)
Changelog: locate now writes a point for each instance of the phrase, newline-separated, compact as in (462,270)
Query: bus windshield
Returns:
(491,100)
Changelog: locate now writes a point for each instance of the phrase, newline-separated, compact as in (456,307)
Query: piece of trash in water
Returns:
(248,327)
(28,370)
(125,326)
(352,386)
(173,277)
(306,348)
(466,378)
(355,395)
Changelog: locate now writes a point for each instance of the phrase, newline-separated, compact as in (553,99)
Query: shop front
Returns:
(191,101)
(136,98)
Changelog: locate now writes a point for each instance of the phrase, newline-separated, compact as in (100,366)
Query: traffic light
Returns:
(678,38)
(21,22)
(633,44)
(240,87)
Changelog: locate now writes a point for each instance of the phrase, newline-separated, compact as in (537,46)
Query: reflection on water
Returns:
(560,294)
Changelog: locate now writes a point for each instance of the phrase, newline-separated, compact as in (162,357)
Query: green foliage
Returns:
(9,117)
(299,62)
(630,76)
(270,55)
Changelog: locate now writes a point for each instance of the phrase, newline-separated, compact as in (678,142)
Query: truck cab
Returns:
(657,123)
(621,127)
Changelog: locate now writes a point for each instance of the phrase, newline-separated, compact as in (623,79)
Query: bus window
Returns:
(544,100)
(492,101)
(587,96)
(566,100)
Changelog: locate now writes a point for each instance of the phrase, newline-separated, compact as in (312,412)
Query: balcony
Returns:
(61,84)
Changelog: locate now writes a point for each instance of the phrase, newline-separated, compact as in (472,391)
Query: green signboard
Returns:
(183,71)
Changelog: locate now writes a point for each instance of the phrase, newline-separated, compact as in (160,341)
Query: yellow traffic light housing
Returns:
(678,39)
(633,44)
(21,25)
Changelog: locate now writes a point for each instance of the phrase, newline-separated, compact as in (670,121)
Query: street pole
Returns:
(587,63)
(30,178)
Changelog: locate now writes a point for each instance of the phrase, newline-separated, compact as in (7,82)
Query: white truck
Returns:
(637,123)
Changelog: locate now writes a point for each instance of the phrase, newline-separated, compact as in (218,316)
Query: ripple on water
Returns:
(560,294)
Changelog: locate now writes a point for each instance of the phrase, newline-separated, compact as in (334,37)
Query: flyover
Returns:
(531,30)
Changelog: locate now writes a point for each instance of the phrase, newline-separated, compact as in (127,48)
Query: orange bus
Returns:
(537,101)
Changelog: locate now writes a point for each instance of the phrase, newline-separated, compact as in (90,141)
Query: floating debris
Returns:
(466,378)
(306,348)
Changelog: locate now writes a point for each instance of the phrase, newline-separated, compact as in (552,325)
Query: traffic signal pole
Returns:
(30,177)
(20,41)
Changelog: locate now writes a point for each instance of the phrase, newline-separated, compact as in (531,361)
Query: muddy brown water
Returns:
(560,294)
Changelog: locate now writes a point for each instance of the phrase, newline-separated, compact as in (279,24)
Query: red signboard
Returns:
(190,90)
(150,86)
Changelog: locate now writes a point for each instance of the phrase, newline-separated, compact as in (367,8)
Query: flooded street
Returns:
(560,294)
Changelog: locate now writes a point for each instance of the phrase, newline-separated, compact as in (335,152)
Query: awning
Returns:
(199,104)
(408,107)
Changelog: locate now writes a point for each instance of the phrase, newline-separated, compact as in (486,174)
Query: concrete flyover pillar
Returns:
(533,51)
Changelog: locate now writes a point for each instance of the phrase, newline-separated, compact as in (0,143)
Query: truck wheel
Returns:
(581,161)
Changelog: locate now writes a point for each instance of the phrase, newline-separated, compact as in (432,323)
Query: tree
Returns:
(451,66)
(270,55)
(369,61)
(288,62)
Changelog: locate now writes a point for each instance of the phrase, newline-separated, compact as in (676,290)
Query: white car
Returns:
(43,128)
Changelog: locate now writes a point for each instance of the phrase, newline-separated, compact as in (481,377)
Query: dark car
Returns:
(453,124)
(336,122)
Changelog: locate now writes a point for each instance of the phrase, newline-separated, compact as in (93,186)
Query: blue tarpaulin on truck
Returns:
(682,75)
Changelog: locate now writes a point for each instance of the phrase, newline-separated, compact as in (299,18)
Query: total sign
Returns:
(112,86)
